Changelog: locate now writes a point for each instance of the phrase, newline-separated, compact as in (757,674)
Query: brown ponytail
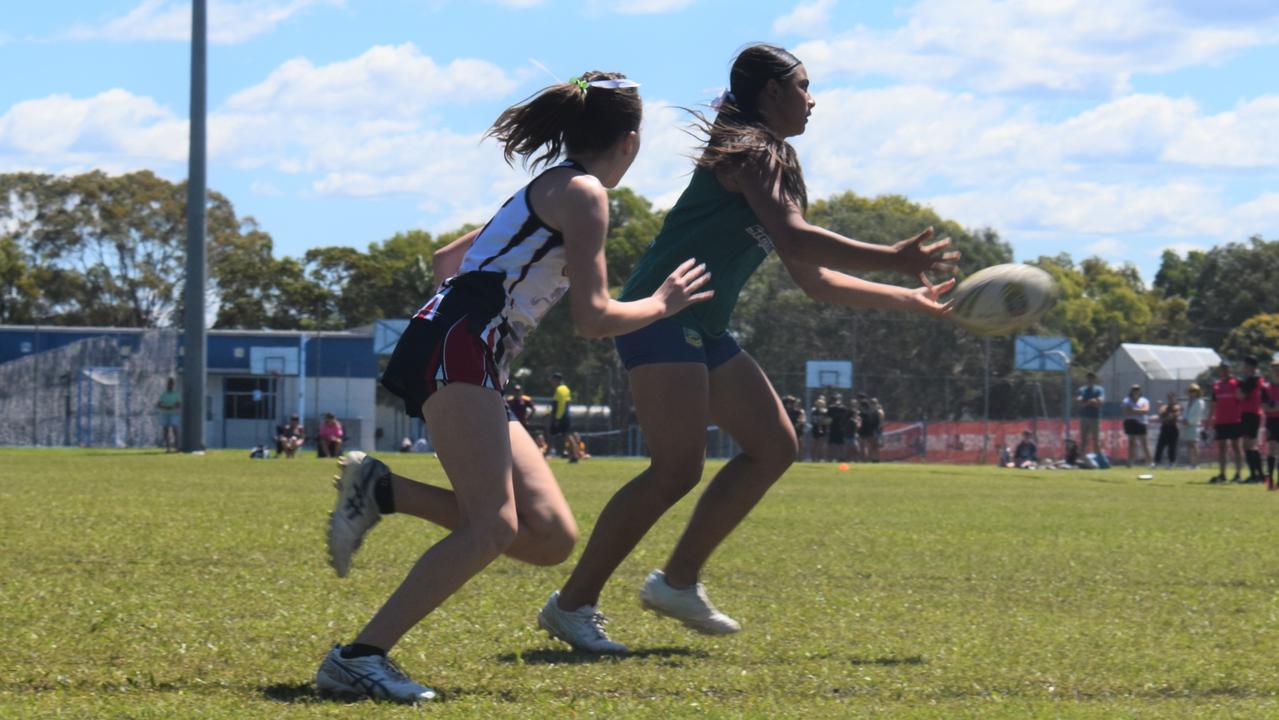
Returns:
(571,116)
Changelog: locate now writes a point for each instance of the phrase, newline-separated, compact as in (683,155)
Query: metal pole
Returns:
(1066,406)
(302,379)
(35,389)
(193,369)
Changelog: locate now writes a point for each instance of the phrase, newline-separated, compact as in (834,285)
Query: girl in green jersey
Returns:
(746,199)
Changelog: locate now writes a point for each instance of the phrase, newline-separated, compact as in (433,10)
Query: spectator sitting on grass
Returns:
(1026,454)
(331,435)
(289,436)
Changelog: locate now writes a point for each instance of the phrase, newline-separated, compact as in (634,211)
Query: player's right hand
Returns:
(683,287)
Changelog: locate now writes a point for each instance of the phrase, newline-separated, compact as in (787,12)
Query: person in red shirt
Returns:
(1225,409)
(1250,391)
(1270,392)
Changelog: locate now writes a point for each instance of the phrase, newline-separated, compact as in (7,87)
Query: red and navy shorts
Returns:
(456,337)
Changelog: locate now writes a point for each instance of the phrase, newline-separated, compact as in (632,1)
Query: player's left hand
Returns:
(913,257)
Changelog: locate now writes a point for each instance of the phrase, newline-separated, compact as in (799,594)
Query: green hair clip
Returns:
(580,83)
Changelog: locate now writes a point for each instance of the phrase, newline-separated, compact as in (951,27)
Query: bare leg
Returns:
(744,403)
(468,427)
(671,402)
(547,531)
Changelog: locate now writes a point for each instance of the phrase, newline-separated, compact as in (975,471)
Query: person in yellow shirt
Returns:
(561,426)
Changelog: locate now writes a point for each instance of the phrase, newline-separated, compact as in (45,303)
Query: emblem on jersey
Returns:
(761,237)
(692,337)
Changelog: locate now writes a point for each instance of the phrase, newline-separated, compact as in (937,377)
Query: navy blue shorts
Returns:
(667,341)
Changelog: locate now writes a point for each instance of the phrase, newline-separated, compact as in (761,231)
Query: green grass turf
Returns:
(140,585)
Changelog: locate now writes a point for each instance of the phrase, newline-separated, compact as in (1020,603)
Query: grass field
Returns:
(139,585)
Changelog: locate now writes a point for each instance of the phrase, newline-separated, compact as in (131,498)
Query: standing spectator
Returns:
(1272,424)
(1251,387)
(521,405)
(837,434)
(1136,417)
(561,423)
(1026,456)
(819,423)
(169,404)
(872,417)
(289,436)
(1090,399)
(1194,419)
(330,436)
(1227,421)
(1169,432)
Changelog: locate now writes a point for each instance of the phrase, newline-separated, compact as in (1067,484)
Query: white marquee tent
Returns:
(1158,369)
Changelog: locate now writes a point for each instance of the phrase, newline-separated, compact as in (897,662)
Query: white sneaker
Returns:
(373,676)
(690,606)
(356,511)
(582,628)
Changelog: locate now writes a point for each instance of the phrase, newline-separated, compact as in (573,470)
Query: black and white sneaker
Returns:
(356,511)
(374,676)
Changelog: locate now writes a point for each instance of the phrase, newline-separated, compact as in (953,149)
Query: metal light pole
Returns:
(193,368)
(1065,403)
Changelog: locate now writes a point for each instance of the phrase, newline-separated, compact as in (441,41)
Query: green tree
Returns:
(1234,282)
(19,289)
(111,250)
(1257,336)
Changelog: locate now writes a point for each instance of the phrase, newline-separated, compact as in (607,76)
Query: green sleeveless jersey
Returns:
(716,227)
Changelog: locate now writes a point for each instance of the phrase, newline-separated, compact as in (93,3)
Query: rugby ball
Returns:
(1002,299)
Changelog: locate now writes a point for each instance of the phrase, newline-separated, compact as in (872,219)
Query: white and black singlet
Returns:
(474,327)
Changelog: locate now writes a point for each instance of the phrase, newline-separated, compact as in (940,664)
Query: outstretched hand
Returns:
(681,287)
(927,299)
(913,257)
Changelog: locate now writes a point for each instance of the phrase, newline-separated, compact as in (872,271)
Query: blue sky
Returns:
(1116,128)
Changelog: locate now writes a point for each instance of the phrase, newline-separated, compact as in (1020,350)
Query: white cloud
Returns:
(649,7)
(1106,247)
(387,82)
(1259,216)
(230,21)
(1243,137)
(1180,248)
(810,18)
(665,160)
(114,129)
(1066,45)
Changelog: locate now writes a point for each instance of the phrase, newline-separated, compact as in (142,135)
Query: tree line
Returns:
(99,249)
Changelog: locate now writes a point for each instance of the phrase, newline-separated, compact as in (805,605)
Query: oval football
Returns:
(1002,299)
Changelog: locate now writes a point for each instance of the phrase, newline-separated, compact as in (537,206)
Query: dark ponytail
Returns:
(738,134)
(573,116)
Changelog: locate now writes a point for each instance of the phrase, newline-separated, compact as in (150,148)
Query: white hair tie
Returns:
(724,96)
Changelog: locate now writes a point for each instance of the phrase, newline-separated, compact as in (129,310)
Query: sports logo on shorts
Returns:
(761,237)
(1015,300)
(692,337)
